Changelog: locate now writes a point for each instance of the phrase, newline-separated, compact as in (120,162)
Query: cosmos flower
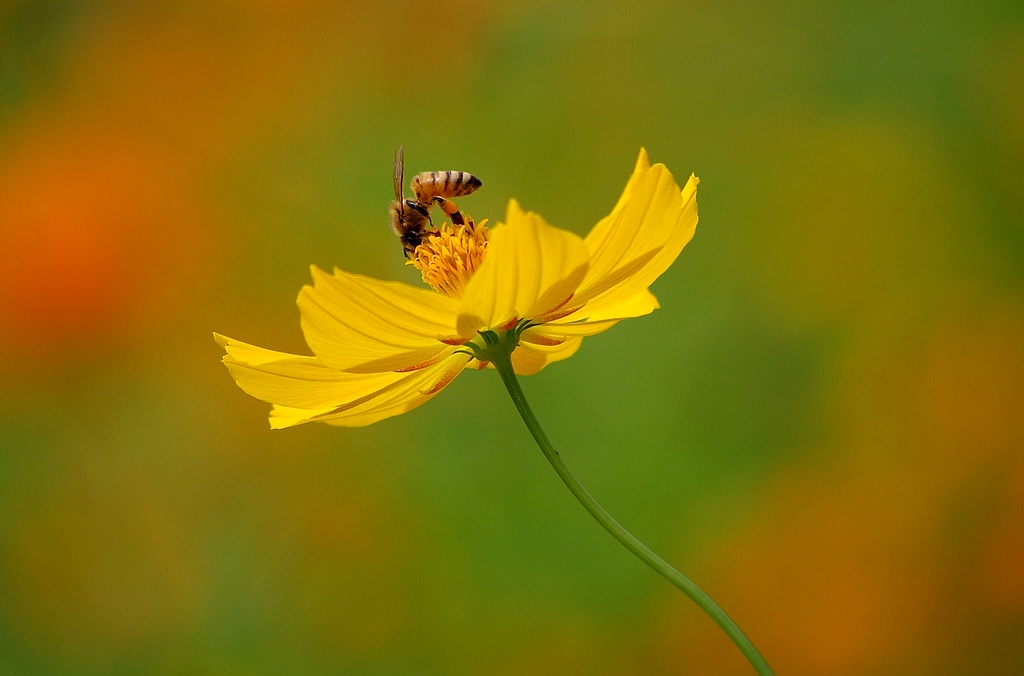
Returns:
(517,297)
(382,348)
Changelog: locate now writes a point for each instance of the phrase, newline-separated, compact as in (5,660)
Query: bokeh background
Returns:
(821,426)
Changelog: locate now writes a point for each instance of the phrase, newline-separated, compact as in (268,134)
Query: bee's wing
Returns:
(399,172)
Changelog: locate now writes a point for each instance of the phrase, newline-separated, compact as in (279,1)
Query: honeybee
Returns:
(410,218)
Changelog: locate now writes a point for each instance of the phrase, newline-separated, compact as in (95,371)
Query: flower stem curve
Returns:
(501,358)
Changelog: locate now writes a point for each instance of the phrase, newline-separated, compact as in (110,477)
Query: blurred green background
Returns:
(821,426)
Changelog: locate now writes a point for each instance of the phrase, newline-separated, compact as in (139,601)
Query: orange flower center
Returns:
(448,257)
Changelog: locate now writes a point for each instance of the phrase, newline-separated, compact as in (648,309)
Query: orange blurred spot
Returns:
(973,383)
(1001,552)
(95,237)
(823,582)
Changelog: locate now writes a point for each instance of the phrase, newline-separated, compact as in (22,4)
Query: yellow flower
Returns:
(383,348)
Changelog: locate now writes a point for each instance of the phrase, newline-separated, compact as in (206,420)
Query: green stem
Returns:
(502,362)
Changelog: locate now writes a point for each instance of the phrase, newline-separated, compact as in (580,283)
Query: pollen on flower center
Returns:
(448,257)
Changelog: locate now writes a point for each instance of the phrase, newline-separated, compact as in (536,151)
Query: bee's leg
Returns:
(420,208)
(450,210)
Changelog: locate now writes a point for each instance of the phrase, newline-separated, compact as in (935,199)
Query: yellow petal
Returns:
(295,380)
(645,232)
(282,417)
(412,390)
(250,353)
(531,269)
(530,357)
(605,317)
(360,324)
(304,389)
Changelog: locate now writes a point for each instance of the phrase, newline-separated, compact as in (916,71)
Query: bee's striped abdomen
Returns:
(431,184)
